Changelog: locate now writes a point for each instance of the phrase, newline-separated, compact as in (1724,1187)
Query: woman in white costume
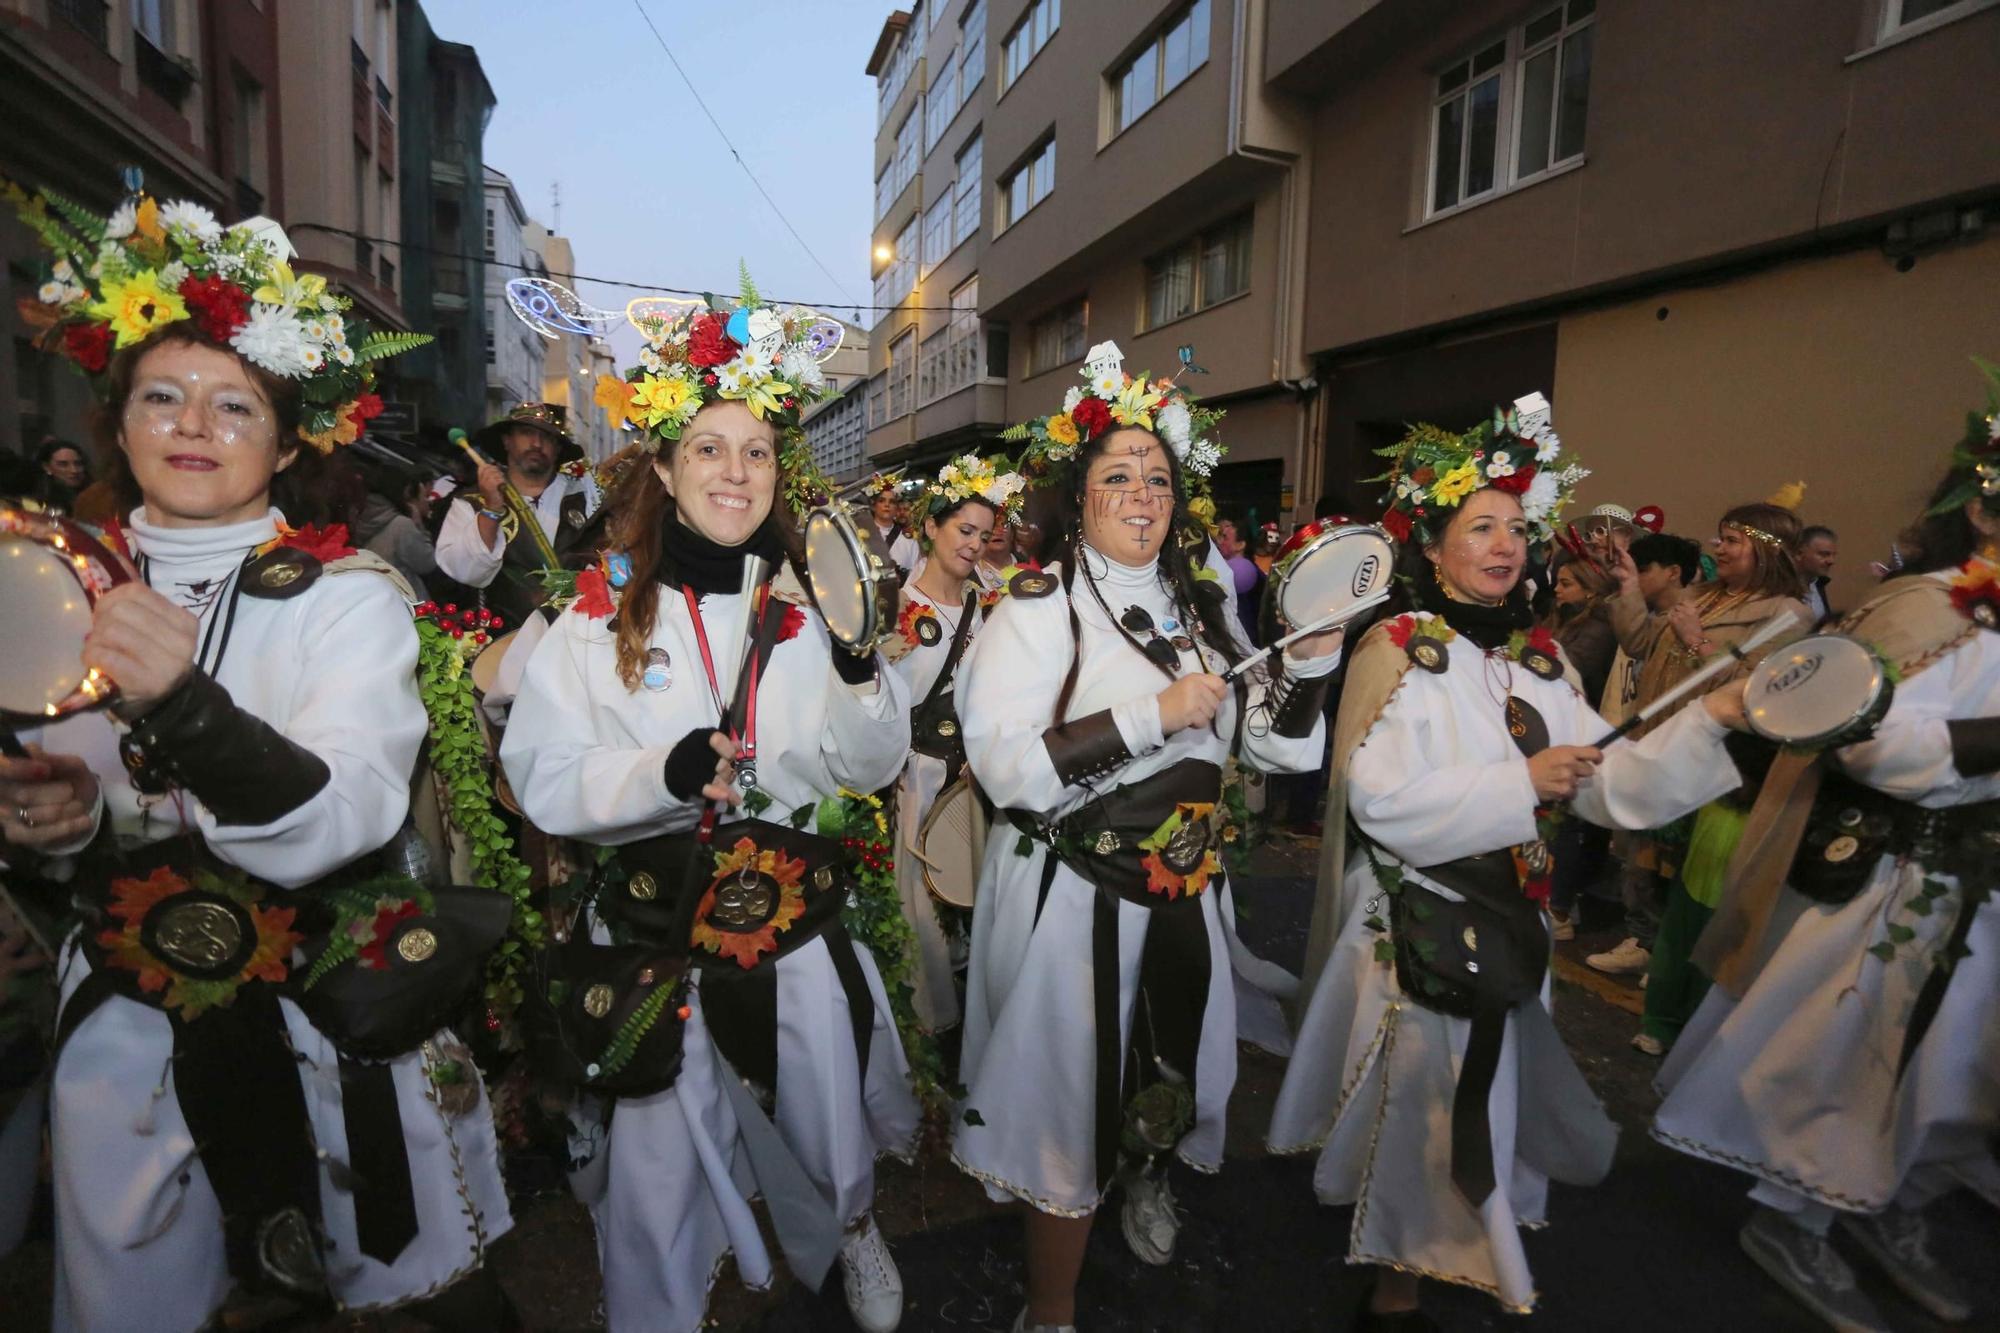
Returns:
(1847,1056)
(615,739)
(216,1157)
(942,607)
(1426,1072)
(1100,1028)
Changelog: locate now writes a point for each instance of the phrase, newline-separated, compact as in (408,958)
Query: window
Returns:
(885,190)
(1161,65)
(899,275)
(965,218)
(931,371)
(1514,108)
(1902,13)
(941,102)
(906,149)
(90,17)
(971,49)
(154,20)
(1028,36)
(964,352)
(902,374)
(1029,184)
(1057,338)
(937,233)
(878,401)
(250,142)
(489,232)
(489,337)
(1200,272)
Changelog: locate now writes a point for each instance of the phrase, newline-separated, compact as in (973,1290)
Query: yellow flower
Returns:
(615,397)
(146,222)
(1134,406)
(292,292)
(659,400)
(1203,508)
(138,306)
(763,397)
(1062,429)
(1456,484)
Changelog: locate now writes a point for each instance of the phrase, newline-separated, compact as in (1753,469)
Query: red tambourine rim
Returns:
(1313,529)
(97,571)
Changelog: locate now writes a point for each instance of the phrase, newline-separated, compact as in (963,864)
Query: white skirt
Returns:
(138,1230)
(1796,1083)
(1370,1087)
(670,1192)
(1029,1063)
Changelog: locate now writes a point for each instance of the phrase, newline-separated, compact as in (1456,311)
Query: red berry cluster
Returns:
(872,855)
(475,623)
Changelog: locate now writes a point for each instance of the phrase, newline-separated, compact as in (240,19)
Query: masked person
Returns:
(1427,1075)
(227,1152)
(1101,1018)
(618,738)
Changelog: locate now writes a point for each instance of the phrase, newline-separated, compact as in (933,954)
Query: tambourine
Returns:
(853,586)
(1329,571)
(1818,692)
(945,848)
(52,571)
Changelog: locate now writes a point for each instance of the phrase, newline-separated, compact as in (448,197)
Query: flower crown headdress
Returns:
(1110,399)
(117,281)
(969,477)
(1977,454)
(1435,471)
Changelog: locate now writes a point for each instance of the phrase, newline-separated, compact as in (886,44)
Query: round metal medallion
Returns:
(743,902)
(280,575)
(929,632)
(1850,818)
(1470,937)
(1107,843)
(1842,848)
(417,944)
(823,878)
(597,1000)
(947,728)
(643,887)
(203,936)
(1427,653)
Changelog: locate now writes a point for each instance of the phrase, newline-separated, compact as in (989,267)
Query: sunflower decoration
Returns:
(115,281)
(1181,853)
(195,944)
(1434,471)
(756,893)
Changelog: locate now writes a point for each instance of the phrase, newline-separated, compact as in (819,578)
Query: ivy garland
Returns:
(446,640)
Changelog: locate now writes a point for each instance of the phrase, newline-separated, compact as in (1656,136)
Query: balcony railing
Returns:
(90,17)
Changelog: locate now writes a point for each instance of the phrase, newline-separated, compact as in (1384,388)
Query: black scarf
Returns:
(1488,626)
(710,567)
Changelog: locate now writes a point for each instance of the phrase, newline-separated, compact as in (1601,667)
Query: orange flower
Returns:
(745,947)
(615,397)
(133,901)
(146,222)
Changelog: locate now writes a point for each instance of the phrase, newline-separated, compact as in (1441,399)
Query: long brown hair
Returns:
(641,508)
(1776,560)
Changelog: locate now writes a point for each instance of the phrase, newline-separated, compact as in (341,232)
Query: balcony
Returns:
(166,76)
(387,271)
(89,17)
(385,145)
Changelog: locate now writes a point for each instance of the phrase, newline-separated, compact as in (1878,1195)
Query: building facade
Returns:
(446,103)
(188,93)
(837,428)
(1737,246)
(571,362)
(513,350)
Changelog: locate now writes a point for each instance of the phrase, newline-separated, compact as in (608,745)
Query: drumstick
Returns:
(1770,629)
(1319,626)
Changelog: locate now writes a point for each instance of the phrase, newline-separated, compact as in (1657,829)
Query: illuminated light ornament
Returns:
(551,309)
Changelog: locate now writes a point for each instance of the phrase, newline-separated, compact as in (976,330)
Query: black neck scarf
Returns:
(1488,626)
(710,567)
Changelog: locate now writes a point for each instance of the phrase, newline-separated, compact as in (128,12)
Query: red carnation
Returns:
(1539,637)
(89,345)
(1397,524)
(709,343)
(367,407)
(322,544)
(593,594)
(1517,481)
(794,621)
(219,307)
(1092,416)
(1400,629)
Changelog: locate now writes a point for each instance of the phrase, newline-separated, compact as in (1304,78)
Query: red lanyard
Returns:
(746,738)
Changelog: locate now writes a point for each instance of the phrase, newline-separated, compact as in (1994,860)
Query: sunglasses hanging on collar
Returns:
(1160,651)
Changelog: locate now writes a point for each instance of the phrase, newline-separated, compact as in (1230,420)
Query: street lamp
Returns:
(884,252)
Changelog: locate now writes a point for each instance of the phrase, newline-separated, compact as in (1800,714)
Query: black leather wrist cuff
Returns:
(1975,745)
(851,669)
(1089,747)
(232,761)
(1297,703)
(691,764)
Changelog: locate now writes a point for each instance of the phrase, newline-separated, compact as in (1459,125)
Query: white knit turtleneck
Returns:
(190,566)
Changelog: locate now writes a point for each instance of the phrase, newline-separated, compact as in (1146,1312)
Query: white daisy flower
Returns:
(52,293)
(315,330)
(336,324)
(192,219)
(1107,384)
(313,357)
(1547,446)
(270,337)
(329,302)
(1500,464)
(119,225)
(729,379)
(1175,425)
(63,272)
(344,354)
(1542,494)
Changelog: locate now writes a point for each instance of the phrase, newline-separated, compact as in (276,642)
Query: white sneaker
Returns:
(874,1287)
(1562,926)
(1899,1243)
(1021,1325)
(1645,1043)
(1151,1224)
(1627,958)
(1805,1265)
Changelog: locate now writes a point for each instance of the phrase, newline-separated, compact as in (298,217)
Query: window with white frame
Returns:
(154,20)
(963,358)
(1514,108)
(1028,184)
(1163,64)
(907,158)
(937,232)
(941,102)
(1900,14)
(971,49)
(965,219)
(1202,271)
(1057,338)
(878,401)
(1026,38)
(931,369)
(885,189)
(902,374)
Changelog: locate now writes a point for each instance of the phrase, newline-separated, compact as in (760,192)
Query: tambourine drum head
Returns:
(1333,572)
(1813,690)
(834,565)
(486,663)
(45,614)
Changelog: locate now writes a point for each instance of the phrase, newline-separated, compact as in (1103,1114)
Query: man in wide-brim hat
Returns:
(483,546)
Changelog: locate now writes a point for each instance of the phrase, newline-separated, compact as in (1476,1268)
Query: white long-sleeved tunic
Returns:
(462,556)
(1373,1073)
(1797,1082)
(1030,1044)
(587,758)
(139,1236)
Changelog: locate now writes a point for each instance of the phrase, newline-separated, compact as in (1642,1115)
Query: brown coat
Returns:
(1665,661)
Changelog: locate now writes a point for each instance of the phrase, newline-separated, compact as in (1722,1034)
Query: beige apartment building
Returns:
(1736,245)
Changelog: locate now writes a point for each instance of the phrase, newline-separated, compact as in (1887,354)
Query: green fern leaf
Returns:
(81,220)
(381,346)
(748,290)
